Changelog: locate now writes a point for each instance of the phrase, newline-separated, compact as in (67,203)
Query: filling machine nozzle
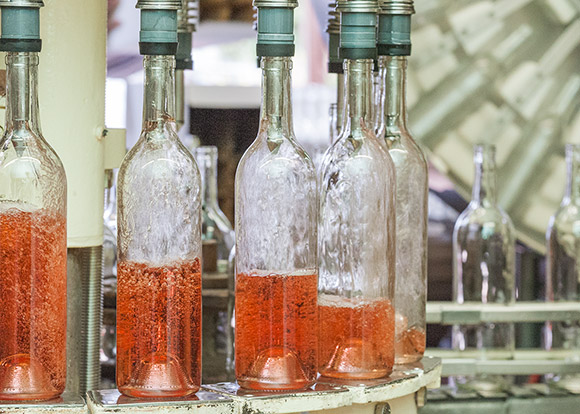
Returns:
(394,28)
(20,25)
(187,20)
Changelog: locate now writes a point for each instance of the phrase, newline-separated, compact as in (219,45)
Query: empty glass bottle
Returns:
(32,246)
(108,328)
(159,242)
(357,242)
(484,263)
(563,257)
(276,275)
(217,233)
(412,214)
(217,238)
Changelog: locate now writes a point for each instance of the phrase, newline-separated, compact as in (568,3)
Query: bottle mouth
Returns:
(484,152)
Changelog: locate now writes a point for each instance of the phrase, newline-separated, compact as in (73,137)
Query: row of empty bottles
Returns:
(484,261)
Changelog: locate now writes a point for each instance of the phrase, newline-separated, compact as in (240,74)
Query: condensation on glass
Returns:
(356,242)
(412,188)
(484,265)
(563,255)
(276,274)
(159,246)
(32,246)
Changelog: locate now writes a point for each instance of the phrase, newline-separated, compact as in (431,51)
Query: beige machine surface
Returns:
(503,72)
(72,105)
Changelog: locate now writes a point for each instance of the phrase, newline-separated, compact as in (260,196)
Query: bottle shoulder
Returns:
(217,216)
(169,151)
(31,171)
(353,155)
(566,220)
(477,216)
(272,157)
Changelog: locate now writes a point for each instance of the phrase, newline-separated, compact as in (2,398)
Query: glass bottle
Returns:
(563,253)
(159,242)
(230,328)
(412,191)
(484,264)
(217,237)
(356,284)
(108,330)
(217,232)
(32,246)
(110,235)
(276,275)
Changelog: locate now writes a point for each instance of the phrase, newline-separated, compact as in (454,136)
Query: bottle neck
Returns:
(339,101)
(395,104)
(572,194)
(276,111)
(207,163)
(159,98)
(484,187)
(357,110)
(22,91)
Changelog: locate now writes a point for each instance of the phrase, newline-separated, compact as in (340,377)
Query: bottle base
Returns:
(159,376)
(134,392)
(361,375)
(354,359)
(276,369)
(24,379)
(408,359)
(271,387)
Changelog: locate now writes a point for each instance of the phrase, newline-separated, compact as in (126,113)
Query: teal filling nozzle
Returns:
(394,36)
(20,26)
(158,35)
(334,58)
(275,31)
(358,35)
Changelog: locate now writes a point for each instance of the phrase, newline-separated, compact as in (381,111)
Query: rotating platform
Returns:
(400,393)
(66,404)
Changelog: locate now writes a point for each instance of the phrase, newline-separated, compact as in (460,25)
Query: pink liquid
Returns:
(356,337)
(276,338)
(409,346)
(32,305)
(158,329)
